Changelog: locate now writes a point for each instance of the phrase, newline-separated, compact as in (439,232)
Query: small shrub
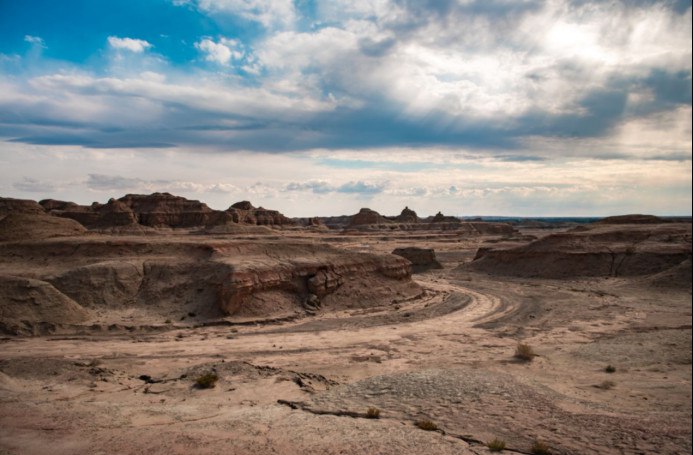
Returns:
(373,413)
(497,445)
(606,385)
(524,352)
(426,425)
(610,369)
(206,381)
(540,448)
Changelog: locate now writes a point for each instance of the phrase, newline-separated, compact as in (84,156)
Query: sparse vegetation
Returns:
(373,413)
(497,445)
(606,385)
(207,381)
(426,425)
(524,352)
(610,369)
(540,448)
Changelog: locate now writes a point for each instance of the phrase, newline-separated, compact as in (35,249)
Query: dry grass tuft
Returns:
(426,425)
(606,385)
(524,352)
(497,445)
(540,448)
(373,413)
(206,381)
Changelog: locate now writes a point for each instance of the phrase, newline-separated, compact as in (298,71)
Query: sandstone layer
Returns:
(161,210)
(596,250)
(167,279)
(25,226)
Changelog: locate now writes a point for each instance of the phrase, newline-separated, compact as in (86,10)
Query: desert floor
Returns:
(305,385)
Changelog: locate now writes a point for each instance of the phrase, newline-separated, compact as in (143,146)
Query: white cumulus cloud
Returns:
(129,44)
(220,52)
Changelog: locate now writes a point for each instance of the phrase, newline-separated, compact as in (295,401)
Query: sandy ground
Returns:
(304,386)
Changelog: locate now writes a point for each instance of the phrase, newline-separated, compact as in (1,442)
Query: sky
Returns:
(469,107)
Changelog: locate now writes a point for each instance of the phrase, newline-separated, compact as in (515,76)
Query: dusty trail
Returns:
(446,356)
(336,332)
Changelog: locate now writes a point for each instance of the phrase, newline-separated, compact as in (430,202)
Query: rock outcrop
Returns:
(366,217)
(631,219)
(34,306)
(596,250)
(9,205)
(245,213)
(161,210)
(168,279)
(166,210)
(407,216)
(440,218)
(31,226)
(422,259)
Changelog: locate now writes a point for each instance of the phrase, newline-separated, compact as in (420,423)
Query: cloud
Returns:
(361,187)
(109,182)
(351,187)
(318,187)
(380,74)
(35,40)
(130,44)
(31,185)
(220,52)
(117,183)
(269,13)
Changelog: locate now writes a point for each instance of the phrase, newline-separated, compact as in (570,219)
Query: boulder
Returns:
(422,259)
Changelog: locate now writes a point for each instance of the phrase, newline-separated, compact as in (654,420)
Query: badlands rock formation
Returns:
(366,217)
(244,212)
(25,226)
(407,216)
(164,279)
(421,259)
(596,250)
(631,219)
(162,210)
(11,205)
(370,220)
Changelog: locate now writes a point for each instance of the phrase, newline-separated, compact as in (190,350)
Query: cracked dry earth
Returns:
(305,386)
